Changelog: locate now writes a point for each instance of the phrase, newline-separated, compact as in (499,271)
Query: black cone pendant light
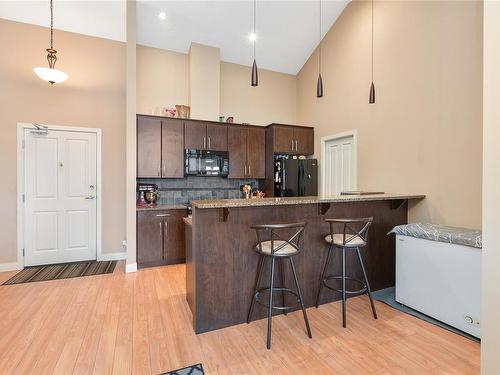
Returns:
(372,87)
(319,84)
(255,73)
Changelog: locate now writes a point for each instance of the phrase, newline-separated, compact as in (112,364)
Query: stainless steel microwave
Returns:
(206,163)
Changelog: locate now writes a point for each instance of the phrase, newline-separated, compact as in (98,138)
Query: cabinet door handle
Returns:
(296,145)
(292,144)
(162,215)
(245,170)
(249,173)
(209,143)
(159,169)
(204,142)
(162,240)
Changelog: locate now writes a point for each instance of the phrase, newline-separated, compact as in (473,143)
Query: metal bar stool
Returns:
(353,236)
(279,247)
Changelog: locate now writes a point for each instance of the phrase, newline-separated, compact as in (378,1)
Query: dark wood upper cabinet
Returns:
(217,137)
(148,147)
(237,146)
(195,135)
(172,149)
(205,136)
(247,147)
(284,139)
(160,237)
(304,141)
(256,152)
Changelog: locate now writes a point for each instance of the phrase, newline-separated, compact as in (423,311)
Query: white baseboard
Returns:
(131,267)
(14,266)
(113,256)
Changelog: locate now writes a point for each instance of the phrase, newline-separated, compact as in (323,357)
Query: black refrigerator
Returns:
(295,177)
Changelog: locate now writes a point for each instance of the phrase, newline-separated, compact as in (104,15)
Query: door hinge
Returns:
(23,251)
(23,143)
(23,198)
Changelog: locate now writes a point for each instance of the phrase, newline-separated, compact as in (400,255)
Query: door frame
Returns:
(21,127)
(350,133)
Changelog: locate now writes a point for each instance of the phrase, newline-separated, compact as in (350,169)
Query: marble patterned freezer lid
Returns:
(441,233)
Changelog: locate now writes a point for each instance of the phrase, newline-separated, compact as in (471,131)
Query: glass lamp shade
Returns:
(51,75)
(255,74)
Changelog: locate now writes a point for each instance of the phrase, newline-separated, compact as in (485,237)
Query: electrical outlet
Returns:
(124,244)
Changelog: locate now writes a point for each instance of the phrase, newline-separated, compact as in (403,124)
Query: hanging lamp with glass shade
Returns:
(255,73)
(319,84)
(51,74)
(371,99)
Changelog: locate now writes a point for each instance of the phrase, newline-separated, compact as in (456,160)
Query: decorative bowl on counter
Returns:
(183,111)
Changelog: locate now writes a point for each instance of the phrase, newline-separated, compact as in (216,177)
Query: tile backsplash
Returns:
(184,190)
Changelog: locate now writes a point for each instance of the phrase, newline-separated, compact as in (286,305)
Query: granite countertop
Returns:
(188,220)
(163,207)
(256,202)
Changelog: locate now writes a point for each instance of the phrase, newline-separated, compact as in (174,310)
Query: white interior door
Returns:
(339,170)
(60,211)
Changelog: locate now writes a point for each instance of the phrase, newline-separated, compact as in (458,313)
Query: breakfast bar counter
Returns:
(221,262)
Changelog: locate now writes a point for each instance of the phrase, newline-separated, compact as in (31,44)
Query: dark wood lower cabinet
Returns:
(160,237)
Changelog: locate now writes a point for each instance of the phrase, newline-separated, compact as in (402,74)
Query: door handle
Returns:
(209,143)
(162,240)
(204,142)
(159,169)
(296,145)
(162,215)
(245,170)
(249,173)
(292,144)
(90,197)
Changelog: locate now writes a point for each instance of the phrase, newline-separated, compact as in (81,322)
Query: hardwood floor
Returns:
(140,323)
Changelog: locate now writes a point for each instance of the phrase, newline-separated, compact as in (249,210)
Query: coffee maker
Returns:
(147,195)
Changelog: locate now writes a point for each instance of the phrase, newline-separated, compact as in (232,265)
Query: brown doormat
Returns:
(61,271)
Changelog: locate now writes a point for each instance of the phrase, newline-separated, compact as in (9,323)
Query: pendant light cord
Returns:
(254,22)
(372,40)
(320,29)
(51,25)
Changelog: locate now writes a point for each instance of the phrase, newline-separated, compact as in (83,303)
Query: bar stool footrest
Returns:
(275,289)
(361,291)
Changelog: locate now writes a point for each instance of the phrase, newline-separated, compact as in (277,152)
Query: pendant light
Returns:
(372,87)
(50,74)
(319,85)
(255,73)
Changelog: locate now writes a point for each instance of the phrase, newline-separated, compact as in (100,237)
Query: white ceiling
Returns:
(287,30)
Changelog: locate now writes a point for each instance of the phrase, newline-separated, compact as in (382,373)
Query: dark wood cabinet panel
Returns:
(149,238)
(195,135)
(304,141)
(174,250)
(237,138)
(284,139)
(148,147)
(256,152)
(217,135)
(160,237)
(172,149)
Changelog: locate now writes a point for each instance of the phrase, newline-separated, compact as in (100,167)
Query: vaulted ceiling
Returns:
(287,30)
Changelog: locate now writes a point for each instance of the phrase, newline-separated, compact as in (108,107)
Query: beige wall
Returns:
(424,134)
(93,96)
(163,80)
(274,100)
(490,309)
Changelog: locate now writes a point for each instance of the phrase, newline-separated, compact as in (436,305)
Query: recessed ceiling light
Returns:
(162,15)
(252,37)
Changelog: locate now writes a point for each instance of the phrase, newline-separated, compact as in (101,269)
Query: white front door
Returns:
(60,176)
(339,169)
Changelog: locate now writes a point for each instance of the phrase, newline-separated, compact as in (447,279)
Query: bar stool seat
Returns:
(277,248)
(338,240)
(353,237)
(282,246)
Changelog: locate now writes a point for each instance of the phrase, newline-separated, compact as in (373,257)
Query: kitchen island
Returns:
(221,262)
